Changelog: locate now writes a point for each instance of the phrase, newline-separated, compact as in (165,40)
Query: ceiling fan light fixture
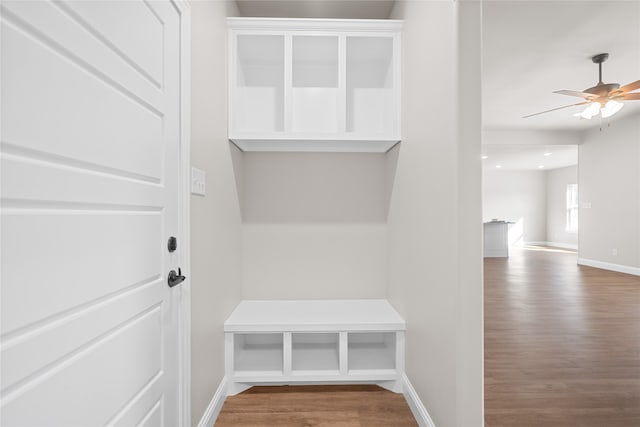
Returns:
(611,108)
(601,98)
(592,110)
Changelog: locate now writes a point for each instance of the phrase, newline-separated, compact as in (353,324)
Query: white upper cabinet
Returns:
(314,84)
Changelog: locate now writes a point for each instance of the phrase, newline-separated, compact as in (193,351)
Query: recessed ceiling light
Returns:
(540,166)
(498,166)
(547,154)
(485,157)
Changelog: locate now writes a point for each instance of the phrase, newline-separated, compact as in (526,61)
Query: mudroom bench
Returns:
(314,342)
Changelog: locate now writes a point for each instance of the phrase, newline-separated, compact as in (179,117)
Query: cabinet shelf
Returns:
(314,85)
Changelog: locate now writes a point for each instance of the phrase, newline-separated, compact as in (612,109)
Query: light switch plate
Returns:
(198,182)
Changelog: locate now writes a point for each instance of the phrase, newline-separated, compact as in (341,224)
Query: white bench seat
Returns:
(314,342)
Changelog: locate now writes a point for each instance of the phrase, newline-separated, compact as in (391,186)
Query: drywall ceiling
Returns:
(529,157)
(532,48)
(342,9)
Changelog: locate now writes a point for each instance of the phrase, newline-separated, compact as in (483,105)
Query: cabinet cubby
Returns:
(258,95)
(370,86)
(314,95)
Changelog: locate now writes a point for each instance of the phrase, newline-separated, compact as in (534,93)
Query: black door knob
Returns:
(175,278)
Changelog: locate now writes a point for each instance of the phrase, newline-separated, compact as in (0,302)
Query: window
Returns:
(572,208)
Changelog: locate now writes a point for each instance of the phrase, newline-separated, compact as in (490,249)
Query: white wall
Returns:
(314,187)
(517,196)
(557,181)
(314,261)
(215,219)
(435,269)
(314,225)
(609,182)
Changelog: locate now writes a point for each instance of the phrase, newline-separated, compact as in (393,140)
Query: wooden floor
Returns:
(335,406)
(562,343)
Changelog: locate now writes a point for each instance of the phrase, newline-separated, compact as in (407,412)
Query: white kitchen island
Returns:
(496,239)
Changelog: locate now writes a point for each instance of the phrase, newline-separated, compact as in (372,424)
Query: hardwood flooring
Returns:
(331,405)
(562,343)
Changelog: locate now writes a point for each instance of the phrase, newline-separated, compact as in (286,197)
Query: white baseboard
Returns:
(415,404)
(560,245)
(532,243)
(213,410)
(609,266)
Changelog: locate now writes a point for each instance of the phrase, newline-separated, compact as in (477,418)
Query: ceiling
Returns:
(528,157)
(339,9)
(530,49)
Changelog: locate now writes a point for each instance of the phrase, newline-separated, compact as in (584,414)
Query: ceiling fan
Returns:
(603,98)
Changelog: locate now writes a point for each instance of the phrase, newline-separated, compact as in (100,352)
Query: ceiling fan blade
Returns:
(631,96)
(559,108)
(628,87)
(576,93)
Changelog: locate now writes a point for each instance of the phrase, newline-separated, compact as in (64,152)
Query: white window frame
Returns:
(572,206)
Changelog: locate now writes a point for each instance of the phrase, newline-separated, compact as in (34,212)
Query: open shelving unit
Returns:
(310,341)
(314,84)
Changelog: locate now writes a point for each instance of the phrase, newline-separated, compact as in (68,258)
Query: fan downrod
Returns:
(599,59)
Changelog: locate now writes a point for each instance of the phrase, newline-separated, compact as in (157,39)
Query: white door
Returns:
(90,181)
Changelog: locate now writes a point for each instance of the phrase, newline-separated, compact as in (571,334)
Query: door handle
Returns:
(175,278)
